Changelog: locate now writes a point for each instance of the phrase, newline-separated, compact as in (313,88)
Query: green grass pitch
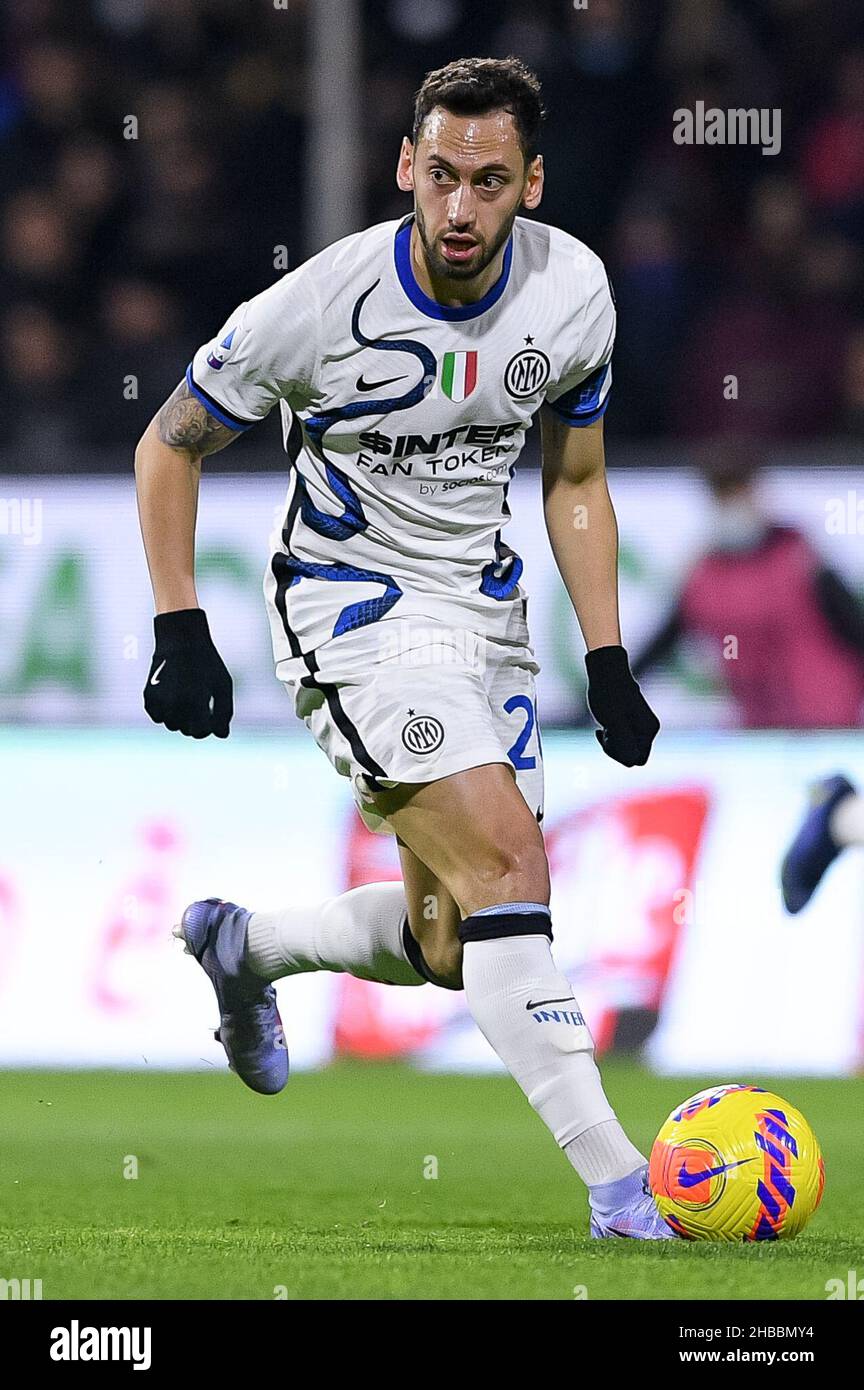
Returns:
(322,1192)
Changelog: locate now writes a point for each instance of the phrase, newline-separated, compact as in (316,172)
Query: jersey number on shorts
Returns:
(516,754)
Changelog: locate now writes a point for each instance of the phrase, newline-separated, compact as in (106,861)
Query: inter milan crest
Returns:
(527,373)
(423,734)
(458,375)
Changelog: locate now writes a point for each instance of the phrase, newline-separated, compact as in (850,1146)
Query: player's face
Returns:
(469,178)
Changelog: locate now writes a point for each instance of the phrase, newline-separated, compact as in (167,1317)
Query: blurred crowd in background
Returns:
(120,255)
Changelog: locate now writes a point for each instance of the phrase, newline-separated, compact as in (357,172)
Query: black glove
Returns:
(628,725)
(188,688)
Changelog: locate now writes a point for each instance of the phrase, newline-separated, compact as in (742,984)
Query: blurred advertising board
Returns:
(75,606)
(665,903)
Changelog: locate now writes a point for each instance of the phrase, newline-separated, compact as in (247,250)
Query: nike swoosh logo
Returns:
(540,1002)
(362,385)
(154,679)
(693,1179)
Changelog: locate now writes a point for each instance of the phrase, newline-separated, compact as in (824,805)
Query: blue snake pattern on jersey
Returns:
(317,425)
(352,518)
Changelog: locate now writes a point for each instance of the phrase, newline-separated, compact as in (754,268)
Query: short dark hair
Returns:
(476,86)
(729,462)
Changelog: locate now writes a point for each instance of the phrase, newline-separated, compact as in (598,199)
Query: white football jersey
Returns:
(403,421)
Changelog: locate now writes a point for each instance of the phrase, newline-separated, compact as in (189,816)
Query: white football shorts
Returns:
(412,700)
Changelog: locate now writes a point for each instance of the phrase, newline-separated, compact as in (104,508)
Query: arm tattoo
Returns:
(185,424)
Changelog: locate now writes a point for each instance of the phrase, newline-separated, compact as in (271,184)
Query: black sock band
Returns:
(418,960)
(490,926)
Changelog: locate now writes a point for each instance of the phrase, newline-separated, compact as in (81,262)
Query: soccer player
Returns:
(833,822)
(408,361)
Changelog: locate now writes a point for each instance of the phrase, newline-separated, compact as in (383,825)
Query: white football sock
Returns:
(846,822)
(359,932)
(547,1048)
(604,1154)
